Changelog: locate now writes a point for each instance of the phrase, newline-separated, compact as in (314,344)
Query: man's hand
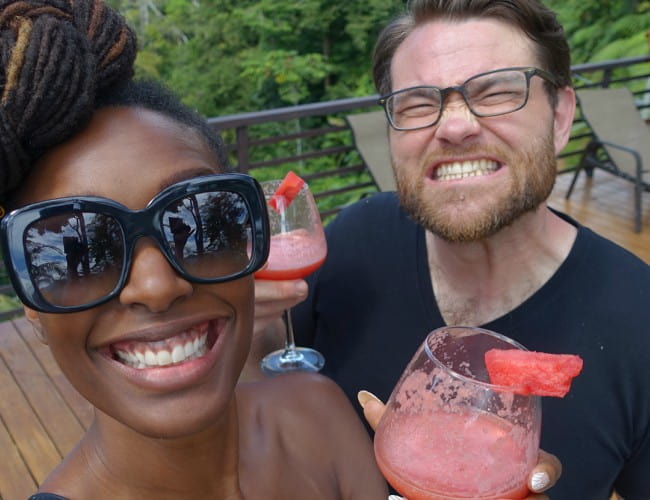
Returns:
(544,475)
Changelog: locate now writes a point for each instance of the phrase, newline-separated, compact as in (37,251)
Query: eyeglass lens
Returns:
(78,257)
(486,95)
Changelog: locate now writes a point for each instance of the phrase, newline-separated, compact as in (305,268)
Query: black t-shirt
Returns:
(372,304)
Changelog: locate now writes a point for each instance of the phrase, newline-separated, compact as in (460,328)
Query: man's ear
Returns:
(563,117)
(33,317)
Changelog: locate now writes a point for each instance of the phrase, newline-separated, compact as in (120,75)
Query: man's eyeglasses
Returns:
(71,254)
(487,94)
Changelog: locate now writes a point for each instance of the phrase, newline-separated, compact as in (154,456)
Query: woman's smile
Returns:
(190,344)
(173,361)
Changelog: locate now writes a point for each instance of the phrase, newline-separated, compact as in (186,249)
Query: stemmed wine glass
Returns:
(448,433)
(298,248)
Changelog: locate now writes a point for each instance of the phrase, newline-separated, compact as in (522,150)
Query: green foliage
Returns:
(285,74)
(635,44)
(9,303)
(604,29)
(232,56)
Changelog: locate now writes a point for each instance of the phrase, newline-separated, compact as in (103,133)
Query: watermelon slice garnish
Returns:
(528,372)
(286,192)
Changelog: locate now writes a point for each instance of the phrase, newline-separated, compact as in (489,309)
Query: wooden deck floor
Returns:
(605,204)
(42,417)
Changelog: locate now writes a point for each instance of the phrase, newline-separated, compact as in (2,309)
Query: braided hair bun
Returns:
(56,56)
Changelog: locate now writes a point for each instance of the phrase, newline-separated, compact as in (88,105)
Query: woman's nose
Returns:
(152,281)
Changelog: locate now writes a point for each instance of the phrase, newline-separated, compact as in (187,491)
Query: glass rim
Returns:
(465,379)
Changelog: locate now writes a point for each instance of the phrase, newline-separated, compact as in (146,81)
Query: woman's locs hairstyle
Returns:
(57,56)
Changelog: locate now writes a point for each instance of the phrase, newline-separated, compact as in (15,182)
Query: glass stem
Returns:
(289,342)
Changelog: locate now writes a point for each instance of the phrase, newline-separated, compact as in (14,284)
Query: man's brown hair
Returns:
(532,17)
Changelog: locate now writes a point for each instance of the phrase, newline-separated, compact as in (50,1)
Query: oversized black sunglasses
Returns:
(71,254)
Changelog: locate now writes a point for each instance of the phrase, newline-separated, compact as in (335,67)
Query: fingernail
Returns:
(539,481)
(364,397)
(301,288)
(395,497)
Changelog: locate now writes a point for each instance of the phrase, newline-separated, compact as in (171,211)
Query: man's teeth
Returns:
(460,170)
(166,352)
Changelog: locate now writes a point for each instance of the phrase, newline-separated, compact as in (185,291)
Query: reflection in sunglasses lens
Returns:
(74,258)
(209,233)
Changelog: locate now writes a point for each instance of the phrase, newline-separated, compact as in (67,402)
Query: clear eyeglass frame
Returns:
(491,93)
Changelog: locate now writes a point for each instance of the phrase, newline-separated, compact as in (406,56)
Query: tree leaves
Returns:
(231,56)
(598,29)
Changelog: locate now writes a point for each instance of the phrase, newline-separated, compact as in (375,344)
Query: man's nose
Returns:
(457,123)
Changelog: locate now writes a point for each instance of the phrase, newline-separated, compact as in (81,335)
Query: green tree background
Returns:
(232,56)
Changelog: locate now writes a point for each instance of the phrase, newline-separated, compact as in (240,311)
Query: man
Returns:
(479,100)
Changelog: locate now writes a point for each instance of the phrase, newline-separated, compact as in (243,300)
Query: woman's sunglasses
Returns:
(71,254)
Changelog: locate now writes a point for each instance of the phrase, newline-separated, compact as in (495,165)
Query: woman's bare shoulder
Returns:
(310,419)
(295,394)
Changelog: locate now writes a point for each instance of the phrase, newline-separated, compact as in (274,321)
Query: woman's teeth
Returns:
(179,349)
(460,170)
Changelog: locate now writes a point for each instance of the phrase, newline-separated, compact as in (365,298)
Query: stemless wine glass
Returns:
(447,433)
(298,248)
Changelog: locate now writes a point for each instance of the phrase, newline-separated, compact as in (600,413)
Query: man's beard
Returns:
(532,174)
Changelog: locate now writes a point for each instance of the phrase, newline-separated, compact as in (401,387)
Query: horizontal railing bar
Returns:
(605,65)
(316,132)
(581,135)
(345,189)
(339,172)
(11,313)
(332,211)
(610,83)
(304,156)
(291,112)
(568,154)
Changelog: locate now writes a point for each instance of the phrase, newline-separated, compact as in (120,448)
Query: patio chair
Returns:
(370,135)
(620,143)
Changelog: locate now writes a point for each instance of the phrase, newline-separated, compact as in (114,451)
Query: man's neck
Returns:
(477,282)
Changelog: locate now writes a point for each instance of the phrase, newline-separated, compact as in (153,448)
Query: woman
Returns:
(171,424)
(151,328)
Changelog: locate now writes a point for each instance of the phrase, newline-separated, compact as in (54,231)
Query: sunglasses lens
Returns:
(209,234)
(74,258)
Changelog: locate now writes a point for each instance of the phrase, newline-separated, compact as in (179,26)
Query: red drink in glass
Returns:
(298,248)
(294,255)
(421,457)
(448,433)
